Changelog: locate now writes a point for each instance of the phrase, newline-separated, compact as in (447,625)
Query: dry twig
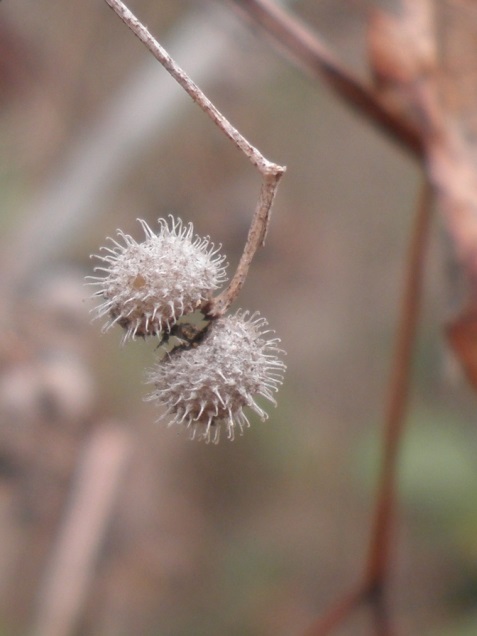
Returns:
(271,173)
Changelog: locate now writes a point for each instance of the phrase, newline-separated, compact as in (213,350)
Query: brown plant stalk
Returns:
(373,587)
(379,556)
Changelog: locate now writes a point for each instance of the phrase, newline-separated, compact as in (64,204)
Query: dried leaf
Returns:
(401,44)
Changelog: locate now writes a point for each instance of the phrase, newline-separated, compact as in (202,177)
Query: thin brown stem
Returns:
(373,587)
(378,562)
(304,47)
(271,172)
(255,239)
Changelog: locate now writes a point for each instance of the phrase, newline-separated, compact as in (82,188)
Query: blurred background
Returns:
(110,523)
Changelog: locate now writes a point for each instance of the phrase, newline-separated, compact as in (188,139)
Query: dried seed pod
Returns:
(207,386)
(148,286)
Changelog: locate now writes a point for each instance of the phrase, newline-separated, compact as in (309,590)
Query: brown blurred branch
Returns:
(372,590)
(72,564)
(271,173)
(304,47)
(377,569)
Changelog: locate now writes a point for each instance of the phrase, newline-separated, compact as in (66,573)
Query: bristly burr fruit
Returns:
(206,387)
(148,286)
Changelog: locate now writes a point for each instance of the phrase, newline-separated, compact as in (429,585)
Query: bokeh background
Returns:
(110,523)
